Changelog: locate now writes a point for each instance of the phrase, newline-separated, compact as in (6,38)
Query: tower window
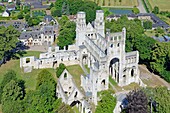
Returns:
(118,45)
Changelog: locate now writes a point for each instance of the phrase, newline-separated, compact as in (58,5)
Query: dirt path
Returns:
(151,79)
(141,7)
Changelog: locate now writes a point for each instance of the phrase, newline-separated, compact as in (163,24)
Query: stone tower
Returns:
(80,28)
(99,22)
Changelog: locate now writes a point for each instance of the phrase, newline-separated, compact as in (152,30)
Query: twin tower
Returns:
(82,27)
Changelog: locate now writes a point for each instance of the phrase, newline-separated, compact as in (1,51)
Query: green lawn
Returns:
(164,5)
(76,110)
(88,69)
(130,3)
(31,53)
(29,78)
(150,33)
(76,71)
(112,81)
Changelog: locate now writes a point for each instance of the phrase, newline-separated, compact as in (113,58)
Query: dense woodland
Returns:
(71,7)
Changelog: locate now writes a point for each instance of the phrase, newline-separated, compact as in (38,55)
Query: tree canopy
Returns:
(107,102)
(60,69)
(8,42)
(67,7)
(137,102)
(67,32)
(162,97)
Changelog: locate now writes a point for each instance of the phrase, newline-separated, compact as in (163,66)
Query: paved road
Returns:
(141,7)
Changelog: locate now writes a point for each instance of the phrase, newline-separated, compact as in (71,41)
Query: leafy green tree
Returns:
(156,10)
(20,15)
(27,16)
(11,97)
(44,97)
(137,102)
(33,21)
(10,75)
(60,69)
(135,10)
(160,30)
(107,102)
(51,5)
(8,42)
(162,96)
(147,25)
(67,32)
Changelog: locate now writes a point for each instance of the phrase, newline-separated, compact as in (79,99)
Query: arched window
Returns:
(132,72)
(65,75)
(118,44)
(75,94)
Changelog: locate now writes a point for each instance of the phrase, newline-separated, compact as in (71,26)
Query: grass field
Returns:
(116,2)
(76,71)
(164,5)
(30,78)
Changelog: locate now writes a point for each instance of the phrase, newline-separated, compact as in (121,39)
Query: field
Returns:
(164,5)
(128,3)
(29,78)
(76,71)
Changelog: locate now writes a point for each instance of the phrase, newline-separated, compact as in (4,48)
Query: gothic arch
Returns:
(74,103)
(114,68)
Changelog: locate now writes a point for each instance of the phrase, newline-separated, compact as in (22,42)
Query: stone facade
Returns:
(103,53)
(45,36)
(70,94)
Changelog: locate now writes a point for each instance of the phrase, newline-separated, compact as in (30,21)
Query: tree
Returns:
(27,16)
(162,97)
(135,10)
(10,75)
(107,102)
(11,97)
(44,97)
(137,102)
(18,2)
(60,69)
(67,32)
(147,24)
(156,10)
(8,42)
(20,15)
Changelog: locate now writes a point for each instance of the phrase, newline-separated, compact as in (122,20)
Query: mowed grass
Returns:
(29,78)
(164,5)
(76,71)
(116,2)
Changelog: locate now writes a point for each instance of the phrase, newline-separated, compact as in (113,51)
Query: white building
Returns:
(6,13)
(104,53)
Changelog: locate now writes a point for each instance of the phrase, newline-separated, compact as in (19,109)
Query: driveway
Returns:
(141,7)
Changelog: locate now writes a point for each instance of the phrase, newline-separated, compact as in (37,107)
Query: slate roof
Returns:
(33,34)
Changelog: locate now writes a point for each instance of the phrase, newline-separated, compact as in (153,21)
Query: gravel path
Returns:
(141,7)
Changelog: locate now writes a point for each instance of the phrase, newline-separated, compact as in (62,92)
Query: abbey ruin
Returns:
(104,53)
